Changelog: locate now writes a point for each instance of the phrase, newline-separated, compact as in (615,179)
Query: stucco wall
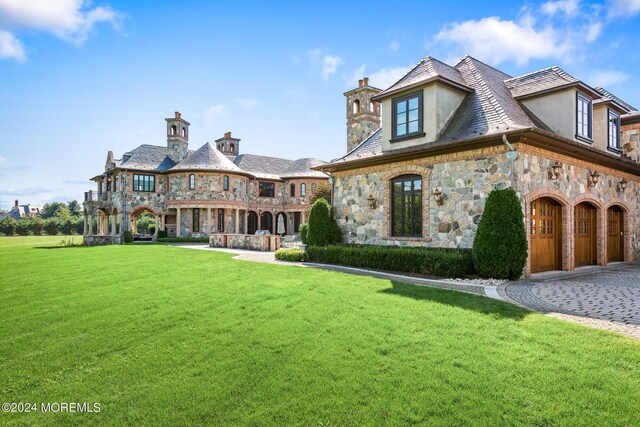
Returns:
(557,110)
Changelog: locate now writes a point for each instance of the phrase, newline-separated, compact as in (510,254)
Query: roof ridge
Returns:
(534,72)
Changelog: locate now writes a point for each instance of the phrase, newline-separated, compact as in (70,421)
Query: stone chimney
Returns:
(363,115)
(228,145)
(177,137)
(16,204)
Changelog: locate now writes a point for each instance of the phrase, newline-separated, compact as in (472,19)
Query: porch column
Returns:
(90,224)
(209,222)
(135,225)
(177,222)
(302,218)
(259,220)
(86,225)
(246,222)
(114,225)
(155,233)
(237,221)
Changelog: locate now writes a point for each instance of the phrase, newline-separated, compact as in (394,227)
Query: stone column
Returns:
(259,220)
(209,223)
(177,222)
(163,220)
(113,225)
(155,233)
(302,218)
(237,221)
(246,222)
(107,231)
(135,225)
(90,224)
(86,225)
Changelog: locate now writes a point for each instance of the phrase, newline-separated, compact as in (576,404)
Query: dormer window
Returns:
(407,116)
(584,117)
(614,131)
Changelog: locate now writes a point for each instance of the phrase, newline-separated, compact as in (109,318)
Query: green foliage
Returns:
(440,262)
(292,254)
(500,246)
(304,232)
(323,229)
(128,236)
(322,191)
(23,227)
(144,222)
(152,229)
(70,242)
(8,226)
(75,209)
(162,234)
(52,226)
(184,239)
(55,210)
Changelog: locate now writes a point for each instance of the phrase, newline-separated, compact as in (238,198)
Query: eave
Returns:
(421,83)
(583,87)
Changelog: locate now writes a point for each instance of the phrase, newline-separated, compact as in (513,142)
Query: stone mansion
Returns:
(213,189)
(423,154)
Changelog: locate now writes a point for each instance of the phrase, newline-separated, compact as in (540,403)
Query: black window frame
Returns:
(225,183)
(587,138)
(618,147)
(192,182)
(394,117)
(266,192)
(195,220)
(292,190)
(221,220)
(148,182)
(416,228)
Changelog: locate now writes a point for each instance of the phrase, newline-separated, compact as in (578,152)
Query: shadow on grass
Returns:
(462,300)
(62,247)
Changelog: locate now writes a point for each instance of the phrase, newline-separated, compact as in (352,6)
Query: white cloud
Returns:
(495,40)
(385,77)
(394,46)
(247,102)
(357,74)
(623,8)
(4,164)
(568,7)
(327,64)
(607,78)
(215,112)
(11,47)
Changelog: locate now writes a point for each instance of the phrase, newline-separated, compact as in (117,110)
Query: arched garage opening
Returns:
(545,229)
(585,234)
(615,234)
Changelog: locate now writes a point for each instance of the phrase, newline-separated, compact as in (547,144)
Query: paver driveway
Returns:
(607,293)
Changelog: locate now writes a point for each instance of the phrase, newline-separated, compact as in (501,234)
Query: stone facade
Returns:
(363,114)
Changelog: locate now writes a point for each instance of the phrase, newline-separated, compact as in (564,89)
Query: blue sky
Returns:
(81,78)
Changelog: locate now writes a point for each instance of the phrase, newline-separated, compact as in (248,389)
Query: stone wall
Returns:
(245,241)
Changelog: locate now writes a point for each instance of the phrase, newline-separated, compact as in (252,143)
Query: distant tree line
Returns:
(55,218)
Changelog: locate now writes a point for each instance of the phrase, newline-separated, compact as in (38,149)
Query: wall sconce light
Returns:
(555,170)
(437,194)
(622,185)
(593,178)
(372,201)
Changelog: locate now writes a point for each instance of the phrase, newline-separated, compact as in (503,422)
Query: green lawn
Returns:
(167,336)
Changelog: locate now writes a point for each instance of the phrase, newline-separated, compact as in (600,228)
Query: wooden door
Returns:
(545,230)
(615,233)
(586,235)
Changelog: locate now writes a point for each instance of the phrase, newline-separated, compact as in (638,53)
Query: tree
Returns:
(37,225)
(322,190)
(323,229)
(23,227)
(500,246)
(55,210)
(51,226)
(74,208)
(8,226)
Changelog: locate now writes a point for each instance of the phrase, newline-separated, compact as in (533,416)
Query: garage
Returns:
(615,233)
(546,235)
(586,235)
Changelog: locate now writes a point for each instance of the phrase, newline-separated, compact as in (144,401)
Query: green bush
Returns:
(440,262)
(184,239)
(292,254)
(128,236)
(500,246)
(304,231)
(8,226)
(23,227)
(162,234)
(323,229)
(152,229)
(51,226)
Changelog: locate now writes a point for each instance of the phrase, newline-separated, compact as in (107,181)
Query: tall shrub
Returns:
(8,226)
(500,246)
(323,229)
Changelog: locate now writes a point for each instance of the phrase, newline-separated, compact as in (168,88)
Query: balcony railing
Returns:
(90,196)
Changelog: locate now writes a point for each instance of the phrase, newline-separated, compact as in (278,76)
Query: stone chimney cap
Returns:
(366,81)
(227,135)
(360,83)
(178,115)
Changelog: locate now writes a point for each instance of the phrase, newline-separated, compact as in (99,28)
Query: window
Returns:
(195,220)
(184,132)
(584,111)
(406,210)
(303,190)
(231,147)
(407,115)
(267,189)
(292,191)
(225,183)
(355,107)
(144,183)
(192,182)
(173,130)
(614,131)
(372,107)
(221,220)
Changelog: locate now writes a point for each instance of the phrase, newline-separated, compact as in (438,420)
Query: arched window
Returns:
(225,183)
(303,189)
(355,108)
(192,182)
(372,107)
(406,206)
(174,130)
(184,132)
(292,191)
(231,147)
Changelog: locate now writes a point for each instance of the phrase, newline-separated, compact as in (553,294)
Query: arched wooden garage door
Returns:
(545,231)
(586,235)
(615,233)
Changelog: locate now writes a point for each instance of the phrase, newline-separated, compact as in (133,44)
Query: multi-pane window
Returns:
(584,114)
(144,183)
(195,226)
(267,189)
(303,190)
(407,117)
(192,182)
(406,209)
(292,191)
(614,131)
(225,183)
(221,220)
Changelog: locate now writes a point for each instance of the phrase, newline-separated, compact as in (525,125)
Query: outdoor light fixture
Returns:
(372,201)
(555,170)
(593,178)
(437,194)
(622,185)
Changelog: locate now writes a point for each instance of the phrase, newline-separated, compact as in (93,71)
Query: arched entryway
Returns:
(545,230)
(252,222)
(282,221)
(585,235)
(615,234)
(266,221)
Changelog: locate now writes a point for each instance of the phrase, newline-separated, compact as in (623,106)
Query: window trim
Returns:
(614,149)
(136,180)
(261,183)
(589,138)
(403,178)
(192,181)
(394,117)
(225,183)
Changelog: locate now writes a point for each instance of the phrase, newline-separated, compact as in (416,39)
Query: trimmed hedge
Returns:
(440,262)
(323,229)
(500,246)
(184,239)
(128,236)
(304,231)
(292,254)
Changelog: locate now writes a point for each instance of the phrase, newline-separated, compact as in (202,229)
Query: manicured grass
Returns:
(168,336)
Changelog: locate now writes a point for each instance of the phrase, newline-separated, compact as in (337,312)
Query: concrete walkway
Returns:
(600,297)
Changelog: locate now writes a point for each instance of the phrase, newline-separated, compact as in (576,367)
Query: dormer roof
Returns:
(543,81)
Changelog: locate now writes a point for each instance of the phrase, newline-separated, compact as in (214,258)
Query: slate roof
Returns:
(148,158)
(262,166)
(426,69)
(372,146)
(609,96)
(301,168)
(539,81)
(206,158)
